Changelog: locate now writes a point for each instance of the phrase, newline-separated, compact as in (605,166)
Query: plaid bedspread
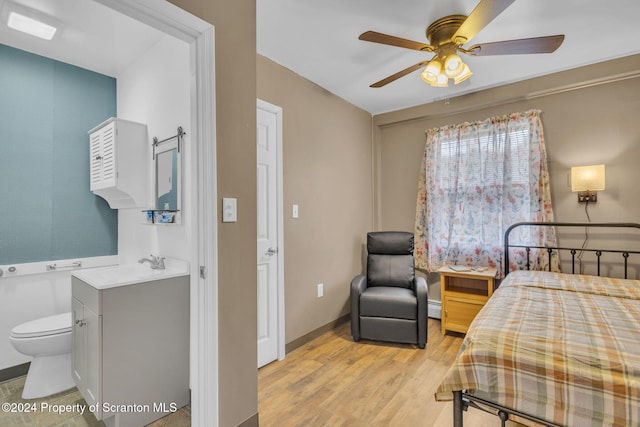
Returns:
(564,348)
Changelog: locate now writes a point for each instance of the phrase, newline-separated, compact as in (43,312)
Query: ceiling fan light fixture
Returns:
(453,65)
(433,68)
(447,36)
(464,75)
(437,75)
(441,81)
(428,78)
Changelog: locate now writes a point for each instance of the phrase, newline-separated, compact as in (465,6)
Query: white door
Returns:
(268,145)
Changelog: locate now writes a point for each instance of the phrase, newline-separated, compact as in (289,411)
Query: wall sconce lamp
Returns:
(587,180)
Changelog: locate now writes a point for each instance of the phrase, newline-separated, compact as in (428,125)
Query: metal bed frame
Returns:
(462,400)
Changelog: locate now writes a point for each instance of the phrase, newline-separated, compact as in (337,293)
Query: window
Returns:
(476,180)
(515,154)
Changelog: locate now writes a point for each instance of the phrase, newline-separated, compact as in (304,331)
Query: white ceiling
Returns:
(319,41)
(92,36)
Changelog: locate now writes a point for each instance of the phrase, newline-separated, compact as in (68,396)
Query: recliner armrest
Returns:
(422,294)
(358,285)
(420,286)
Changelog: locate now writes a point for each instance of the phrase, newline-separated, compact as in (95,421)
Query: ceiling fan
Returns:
(447,35)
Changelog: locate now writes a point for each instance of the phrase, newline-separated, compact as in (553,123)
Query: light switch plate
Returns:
(229,209)
(294,211)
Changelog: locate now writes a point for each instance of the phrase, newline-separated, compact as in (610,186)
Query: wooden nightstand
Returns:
(463,294)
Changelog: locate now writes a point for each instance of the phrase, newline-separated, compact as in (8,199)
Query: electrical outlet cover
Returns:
(229,210)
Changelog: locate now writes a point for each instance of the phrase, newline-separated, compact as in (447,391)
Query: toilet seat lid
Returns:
(52,325)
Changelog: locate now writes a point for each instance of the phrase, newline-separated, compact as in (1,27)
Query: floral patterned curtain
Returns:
(476,180)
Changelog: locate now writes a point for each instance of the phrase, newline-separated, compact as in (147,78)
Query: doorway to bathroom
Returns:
(98,36)
(199,35)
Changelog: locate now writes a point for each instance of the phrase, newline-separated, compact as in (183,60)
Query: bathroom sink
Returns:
(130,274)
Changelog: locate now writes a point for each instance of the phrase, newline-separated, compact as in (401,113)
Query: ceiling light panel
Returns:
(30,21)
(30,26)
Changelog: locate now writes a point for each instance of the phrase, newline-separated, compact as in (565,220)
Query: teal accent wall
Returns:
(47,211)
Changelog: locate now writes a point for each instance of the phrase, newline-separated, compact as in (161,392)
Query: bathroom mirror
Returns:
(168,176)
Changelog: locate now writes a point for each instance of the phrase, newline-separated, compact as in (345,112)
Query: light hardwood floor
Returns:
(331,381)
(334,381)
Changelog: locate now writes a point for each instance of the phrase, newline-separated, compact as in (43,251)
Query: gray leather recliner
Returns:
(389,303)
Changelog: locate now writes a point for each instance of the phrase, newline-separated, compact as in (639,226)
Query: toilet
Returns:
(48,341)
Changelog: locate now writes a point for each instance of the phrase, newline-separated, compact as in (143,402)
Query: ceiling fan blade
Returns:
(399,74)
(485,12)
(545,44)
(373,36)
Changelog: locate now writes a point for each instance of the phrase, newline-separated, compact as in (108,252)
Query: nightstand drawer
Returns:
(464,291)
(458,314)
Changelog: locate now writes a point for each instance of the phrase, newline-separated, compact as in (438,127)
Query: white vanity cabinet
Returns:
(130,356)
(118,158)
(86,343)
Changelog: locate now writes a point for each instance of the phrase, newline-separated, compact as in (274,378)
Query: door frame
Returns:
(203,372)
(271,108)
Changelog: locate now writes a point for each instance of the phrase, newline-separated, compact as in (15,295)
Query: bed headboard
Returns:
(624,253)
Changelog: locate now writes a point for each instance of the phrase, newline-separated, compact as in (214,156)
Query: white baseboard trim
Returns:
(435,309)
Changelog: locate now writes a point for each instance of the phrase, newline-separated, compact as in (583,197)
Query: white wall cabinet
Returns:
(119,158)
(131,347)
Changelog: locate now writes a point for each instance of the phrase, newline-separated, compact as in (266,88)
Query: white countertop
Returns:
(130,274)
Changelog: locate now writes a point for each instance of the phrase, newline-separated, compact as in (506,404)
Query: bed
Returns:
(554,349)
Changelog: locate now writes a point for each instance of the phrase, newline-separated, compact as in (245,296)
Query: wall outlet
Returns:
(320,290)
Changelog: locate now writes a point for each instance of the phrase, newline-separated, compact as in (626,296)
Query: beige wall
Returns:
(327,156)
(235,58)
(327,172)
(589,116)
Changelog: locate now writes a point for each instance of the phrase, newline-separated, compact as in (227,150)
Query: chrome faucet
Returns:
(156,262)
